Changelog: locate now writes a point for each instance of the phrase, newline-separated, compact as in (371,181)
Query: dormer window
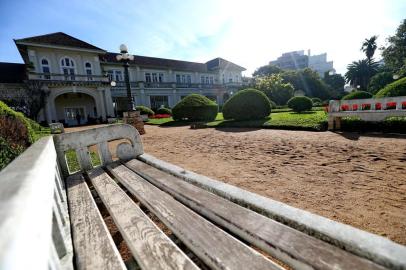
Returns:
(68,68)
(88,70)
(45,69)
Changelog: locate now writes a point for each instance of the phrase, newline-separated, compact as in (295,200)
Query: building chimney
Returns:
(308,52)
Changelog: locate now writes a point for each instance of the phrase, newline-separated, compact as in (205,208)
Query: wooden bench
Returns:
(371,109)
(168,218)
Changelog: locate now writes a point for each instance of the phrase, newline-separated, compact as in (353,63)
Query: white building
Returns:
(78,75)
(320,64)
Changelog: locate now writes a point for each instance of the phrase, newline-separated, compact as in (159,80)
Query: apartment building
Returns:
(78,76)
(299,60)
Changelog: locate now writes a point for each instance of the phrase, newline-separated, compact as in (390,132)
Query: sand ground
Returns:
(357,180)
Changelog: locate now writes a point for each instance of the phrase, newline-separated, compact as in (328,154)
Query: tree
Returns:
(336,83)
(394,54)
(379,81)
(309,81)
(359,73)
(369,47)
(266,71)
(30,100)
(275,88)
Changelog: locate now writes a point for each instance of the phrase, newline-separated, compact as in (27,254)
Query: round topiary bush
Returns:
(164,110)
(316,100)
(300,104)
(195,107)
(145,110)
(395,89)
(357,95)
(246,105)
(273,104)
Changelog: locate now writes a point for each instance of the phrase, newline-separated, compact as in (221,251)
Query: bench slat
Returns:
(216,248)
(149,245)
(291,245)
(94,248)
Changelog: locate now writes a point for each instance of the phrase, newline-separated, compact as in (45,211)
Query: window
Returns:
(211,80)
(148,77)
(118,75)
(207,80)
(236,78)
(224,80)
(154,77)
(88,71)
(115,75)
(161,77)
(45,69)
(68,68)
(230,80)
(202,79)
(183,78)
(158,101)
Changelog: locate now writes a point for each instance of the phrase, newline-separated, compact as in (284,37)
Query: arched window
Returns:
(88,70)
(45,69)
(68,68)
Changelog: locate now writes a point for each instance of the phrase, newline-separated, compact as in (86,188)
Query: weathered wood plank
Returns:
(149,245)
(292,246)
(94,248)
(216,248)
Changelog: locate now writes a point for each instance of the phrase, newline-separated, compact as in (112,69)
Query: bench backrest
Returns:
(81,141)
(368,105)
(34,221)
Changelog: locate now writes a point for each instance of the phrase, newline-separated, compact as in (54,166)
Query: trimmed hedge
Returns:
(16,134)
(195,107)
(390,125)
(395,89)
(273,104)
(357,95)
(164,111)
(300,104)
(248,104)
(145,110)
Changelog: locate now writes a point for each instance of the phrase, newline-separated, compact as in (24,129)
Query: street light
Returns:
(125,58)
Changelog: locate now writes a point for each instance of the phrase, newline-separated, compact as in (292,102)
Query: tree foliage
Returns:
(266,70)
(275,88)
(379,81)
(336,84)
(369,47)
(308,81)
(394,54)
(395,89)
(360,72)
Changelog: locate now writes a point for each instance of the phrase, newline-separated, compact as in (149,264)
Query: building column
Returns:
(101,110)
(174,98)
(51,110)
(109,102)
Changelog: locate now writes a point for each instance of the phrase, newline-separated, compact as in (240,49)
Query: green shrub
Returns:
(164,111)
(357,95)
(300,104)
(247,104)
(395,89)
(145,110)
(316,100)
(195,107)
(273,104)
(8,152)
(15,127)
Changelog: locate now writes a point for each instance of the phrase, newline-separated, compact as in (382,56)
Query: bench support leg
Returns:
(334,123)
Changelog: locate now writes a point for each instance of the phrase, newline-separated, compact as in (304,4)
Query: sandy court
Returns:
(360,181)
(357,180)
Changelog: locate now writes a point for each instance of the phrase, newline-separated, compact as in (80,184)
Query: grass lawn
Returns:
(313,120)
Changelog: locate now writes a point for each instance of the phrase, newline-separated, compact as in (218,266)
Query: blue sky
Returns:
(249,33)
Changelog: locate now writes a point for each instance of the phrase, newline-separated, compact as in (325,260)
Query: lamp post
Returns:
(125,58)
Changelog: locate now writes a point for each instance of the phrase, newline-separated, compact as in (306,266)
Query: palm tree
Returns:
(369,47)
(360,72)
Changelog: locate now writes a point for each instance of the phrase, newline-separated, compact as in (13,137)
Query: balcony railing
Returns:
(158,84)
(148,85)
(67,77)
